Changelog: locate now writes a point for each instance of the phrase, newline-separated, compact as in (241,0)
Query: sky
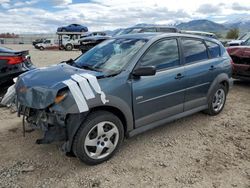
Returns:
(44,16)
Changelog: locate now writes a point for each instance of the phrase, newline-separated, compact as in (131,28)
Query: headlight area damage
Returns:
(57,108)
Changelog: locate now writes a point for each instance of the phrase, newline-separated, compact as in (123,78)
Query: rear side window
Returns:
(194,50)
(163,54)
(167,30)
(214,49)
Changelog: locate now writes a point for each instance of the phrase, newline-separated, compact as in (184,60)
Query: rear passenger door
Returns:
(161,95)
(200,72)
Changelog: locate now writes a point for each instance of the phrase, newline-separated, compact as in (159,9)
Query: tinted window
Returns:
(163,54)
(194,50)
(110,56)
(247,43)
(168,30)
(214,49)
(149,30)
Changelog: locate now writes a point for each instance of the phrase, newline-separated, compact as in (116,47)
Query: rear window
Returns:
(194,50)
(214,49)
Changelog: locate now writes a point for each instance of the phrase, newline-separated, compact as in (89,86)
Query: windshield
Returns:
(110,56)
(244,37)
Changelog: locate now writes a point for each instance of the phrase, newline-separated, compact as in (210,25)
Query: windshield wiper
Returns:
(88,67)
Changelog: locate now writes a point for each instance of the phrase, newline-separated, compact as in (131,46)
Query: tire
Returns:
(69,47)
(103,145)
(216,101)
(41,48)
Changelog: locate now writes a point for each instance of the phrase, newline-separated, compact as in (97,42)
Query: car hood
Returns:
(38,88)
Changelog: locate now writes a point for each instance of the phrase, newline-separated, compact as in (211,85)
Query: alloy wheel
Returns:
(101,140)
(218,100)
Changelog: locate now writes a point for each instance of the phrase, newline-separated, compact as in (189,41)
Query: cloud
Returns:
(26,17)
(4,1)
(209,9)
(61,2)
(238,7)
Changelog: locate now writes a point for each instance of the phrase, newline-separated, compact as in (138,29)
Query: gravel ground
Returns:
(196,151)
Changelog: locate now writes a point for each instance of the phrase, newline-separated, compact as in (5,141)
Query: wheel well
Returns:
(114,111)
(225,84)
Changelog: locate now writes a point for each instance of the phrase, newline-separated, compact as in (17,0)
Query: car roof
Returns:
(152,26)
(159,35)
(197,32)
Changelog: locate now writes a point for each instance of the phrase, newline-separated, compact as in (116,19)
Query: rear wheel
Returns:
(69,47)
(216,101)
(41,48)
(98,138)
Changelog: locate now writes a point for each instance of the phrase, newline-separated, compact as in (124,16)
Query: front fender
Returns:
(74,121)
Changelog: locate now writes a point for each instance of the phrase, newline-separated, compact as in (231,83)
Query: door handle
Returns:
(212,68)
(179,76)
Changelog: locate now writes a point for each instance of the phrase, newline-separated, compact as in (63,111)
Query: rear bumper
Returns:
(241,71)
(15,71)
(241,77)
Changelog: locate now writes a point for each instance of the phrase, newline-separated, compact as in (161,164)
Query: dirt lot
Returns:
(197,151)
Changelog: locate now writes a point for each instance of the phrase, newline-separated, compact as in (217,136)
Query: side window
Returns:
(163,54)
(149,30)
(214,49)
(247,43)
(194,50)
(167,30)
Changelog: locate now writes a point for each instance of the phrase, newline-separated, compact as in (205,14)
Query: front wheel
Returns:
(216,101)
(98,138)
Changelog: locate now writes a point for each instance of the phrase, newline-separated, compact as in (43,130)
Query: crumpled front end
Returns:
(56,100)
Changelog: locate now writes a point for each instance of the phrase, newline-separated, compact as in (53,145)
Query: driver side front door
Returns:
(162,95)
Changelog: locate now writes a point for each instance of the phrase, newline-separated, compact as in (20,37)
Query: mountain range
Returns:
(209,26)
(206,25)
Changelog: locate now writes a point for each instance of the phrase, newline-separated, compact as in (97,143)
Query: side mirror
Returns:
(145,71)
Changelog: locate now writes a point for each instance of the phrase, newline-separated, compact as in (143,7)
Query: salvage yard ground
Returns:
(197,151)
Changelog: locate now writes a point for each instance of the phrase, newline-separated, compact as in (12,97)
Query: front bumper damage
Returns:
(36,102)
(55,126)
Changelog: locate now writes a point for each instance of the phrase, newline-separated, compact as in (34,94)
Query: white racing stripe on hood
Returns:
(84,86)
(94,83)
(80,87)
(77,94)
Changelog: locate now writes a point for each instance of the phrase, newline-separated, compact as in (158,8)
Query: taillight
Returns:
(13,60)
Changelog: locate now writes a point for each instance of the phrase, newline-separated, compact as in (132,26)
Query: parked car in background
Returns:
(200,33)
(240,41)
(37,41)
(48,44)
(89,42)
(122,87)
(73,28)
(91,34)
(73,41)
(241,61)
(13,63)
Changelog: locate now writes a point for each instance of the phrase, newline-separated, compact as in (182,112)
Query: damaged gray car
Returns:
(122,87)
